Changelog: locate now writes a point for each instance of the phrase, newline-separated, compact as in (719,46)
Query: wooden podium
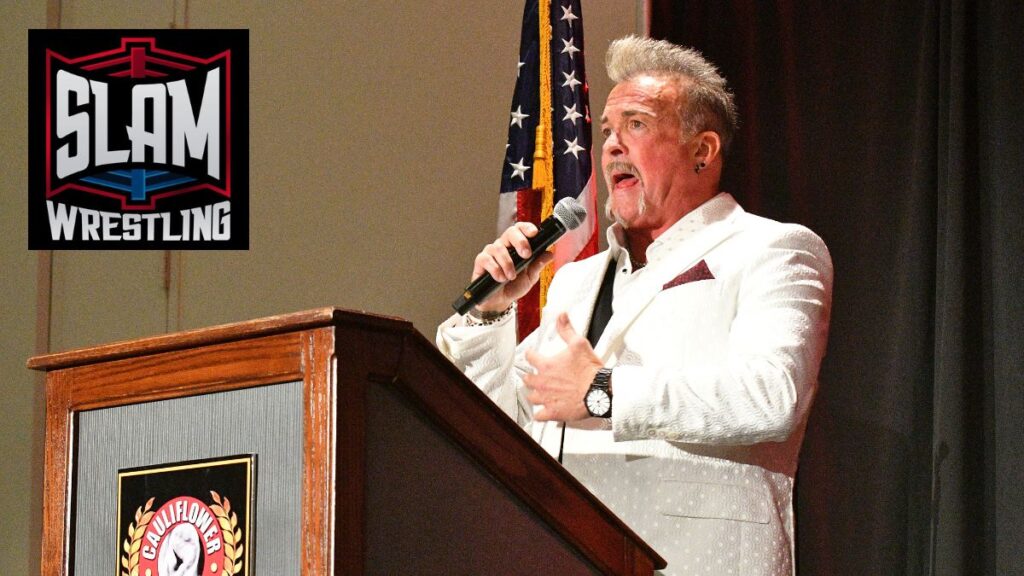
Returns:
(374,455)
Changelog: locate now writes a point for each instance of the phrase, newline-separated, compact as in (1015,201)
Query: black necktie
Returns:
(603,305)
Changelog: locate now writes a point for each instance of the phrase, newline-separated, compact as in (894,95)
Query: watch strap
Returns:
(602,379)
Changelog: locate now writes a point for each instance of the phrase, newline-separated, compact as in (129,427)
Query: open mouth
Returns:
(623,179)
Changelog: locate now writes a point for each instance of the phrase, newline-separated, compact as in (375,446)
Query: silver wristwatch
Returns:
(598,398)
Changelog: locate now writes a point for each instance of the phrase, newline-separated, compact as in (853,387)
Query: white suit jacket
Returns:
(715,355)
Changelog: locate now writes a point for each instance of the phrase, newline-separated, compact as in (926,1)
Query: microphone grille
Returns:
(570,213)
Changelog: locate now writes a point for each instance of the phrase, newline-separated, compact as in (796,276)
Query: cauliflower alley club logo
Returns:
(183,527)
(138,139)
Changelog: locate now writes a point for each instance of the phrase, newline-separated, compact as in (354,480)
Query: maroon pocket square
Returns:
(699,271)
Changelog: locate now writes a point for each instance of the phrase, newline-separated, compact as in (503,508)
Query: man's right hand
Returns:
(494,260)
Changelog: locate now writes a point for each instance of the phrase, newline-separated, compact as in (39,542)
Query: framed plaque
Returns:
(187,518)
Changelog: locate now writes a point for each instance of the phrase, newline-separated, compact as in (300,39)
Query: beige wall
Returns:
(377,131)
(20,490)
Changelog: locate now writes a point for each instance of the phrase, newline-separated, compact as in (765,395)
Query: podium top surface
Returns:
(216,334)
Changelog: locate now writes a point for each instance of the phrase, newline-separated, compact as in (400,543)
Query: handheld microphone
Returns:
(567,215)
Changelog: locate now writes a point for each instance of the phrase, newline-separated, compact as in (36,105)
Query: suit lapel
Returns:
(580,314)
(679,257)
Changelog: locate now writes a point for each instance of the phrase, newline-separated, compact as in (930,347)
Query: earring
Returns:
(700,166)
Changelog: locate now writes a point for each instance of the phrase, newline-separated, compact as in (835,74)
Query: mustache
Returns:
(620,166)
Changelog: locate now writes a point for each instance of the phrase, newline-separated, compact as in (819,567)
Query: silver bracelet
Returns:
(476,318)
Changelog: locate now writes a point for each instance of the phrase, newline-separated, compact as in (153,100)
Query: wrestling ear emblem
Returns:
(184,537)
(187,525)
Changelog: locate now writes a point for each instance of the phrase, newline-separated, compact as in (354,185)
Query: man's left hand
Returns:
(561,381)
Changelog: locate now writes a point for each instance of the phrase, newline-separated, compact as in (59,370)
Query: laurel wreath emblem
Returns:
(232,534)
(226,518)
(133,543)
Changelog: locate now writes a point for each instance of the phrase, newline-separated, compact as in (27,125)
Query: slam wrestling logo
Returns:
(138,139)
(183,528)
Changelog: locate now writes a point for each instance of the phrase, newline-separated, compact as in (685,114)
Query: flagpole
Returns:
(543,161)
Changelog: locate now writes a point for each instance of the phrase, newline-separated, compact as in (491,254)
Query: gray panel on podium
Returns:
(264,420)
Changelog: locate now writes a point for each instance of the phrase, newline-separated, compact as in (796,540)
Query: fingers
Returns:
(539,363)
(568,333)
(564,328)
(558,383)
(518,236)
(536,397)
(552,410)
(495,258)
(537,266)
(544,415)
(534,359)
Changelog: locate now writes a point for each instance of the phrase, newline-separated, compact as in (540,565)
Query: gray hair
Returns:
(709,103)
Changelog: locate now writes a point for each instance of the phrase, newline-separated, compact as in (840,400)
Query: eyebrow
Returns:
(630,114)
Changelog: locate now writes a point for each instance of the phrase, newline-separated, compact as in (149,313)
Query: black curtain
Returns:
(894,129)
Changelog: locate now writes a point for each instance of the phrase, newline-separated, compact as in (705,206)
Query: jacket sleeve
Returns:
(763,388)
(488,356)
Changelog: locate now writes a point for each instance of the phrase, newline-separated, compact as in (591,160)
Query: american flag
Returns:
(569,133)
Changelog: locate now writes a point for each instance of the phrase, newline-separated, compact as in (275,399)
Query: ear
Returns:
(708,146)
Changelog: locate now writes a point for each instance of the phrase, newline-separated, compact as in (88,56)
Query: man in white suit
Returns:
(672,373)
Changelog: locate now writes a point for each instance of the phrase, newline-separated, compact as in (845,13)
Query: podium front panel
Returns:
(265,421)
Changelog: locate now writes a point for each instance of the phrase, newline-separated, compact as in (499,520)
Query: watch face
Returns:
(598,403)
